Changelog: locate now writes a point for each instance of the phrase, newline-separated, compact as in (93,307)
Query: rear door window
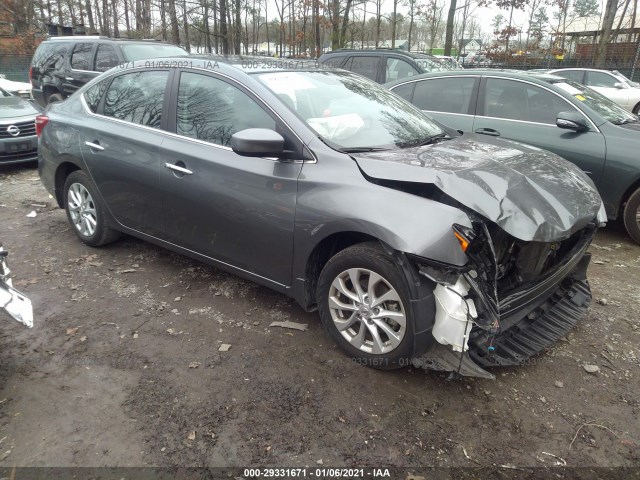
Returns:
(137,97)
(601,79)
(367,66)
(397,69)
(450,94)
(81,58)
(106,58)
(575,75)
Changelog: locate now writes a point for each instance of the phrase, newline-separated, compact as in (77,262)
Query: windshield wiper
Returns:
(362,149)
(429,140)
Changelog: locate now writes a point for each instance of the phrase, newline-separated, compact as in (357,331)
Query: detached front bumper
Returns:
(17,305)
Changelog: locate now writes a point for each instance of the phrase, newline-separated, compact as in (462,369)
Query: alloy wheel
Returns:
(82,209)
(367,311)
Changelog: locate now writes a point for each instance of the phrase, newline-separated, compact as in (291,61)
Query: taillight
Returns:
(41,122)
(30,74)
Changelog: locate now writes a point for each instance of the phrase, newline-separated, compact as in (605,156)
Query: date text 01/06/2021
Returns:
(320,472)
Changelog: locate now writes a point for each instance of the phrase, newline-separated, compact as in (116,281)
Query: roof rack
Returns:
(62,38)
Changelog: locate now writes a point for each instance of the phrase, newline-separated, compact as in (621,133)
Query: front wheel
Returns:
(85,212)
(632,216)
(364,304)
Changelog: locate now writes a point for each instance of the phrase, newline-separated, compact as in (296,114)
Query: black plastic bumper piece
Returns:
(538,330)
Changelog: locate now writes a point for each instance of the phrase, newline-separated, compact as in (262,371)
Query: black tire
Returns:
(54,97)
(372,257)
(631,216)
(636,109)
(102,234)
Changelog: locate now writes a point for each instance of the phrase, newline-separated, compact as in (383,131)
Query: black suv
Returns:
(382,65)
(61,65)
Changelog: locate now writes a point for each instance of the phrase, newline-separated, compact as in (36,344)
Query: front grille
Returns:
(12,157)
(27,129)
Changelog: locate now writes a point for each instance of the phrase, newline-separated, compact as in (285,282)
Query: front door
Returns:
(237,210)
(518,110)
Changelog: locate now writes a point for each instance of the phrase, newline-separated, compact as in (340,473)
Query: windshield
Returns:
(609,110)
(142,51)
(624,79)
(348,111)
(4,93)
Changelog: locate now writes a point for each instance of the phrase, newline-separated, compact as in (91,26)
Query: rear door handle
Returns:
(488,131)
(70,79)
(94,146)
(179,169)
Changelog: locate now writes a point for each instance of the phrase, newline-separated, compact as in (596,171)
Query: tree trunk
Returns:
(138,13)
(605,36)
(345,23)
(126,16)
(223,27)
(448,37)
(98,16)
(207,32)
(411,14)
(163,19)
(237,39)
(393,25)
(92,26)
(185,26)
(316,27)
(114,6)
(105,18)
(173,20)
(216,36)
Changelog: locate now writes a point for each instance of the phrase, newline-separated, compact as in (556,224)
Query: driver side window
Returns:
(213,110)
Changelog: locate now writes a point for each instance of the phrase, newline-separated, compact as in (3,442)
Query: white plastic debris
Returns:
(292,325)
(452,312)
(32,214)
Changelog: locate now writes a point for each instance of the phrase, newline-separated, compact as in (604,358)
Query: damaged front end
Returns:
(511,301)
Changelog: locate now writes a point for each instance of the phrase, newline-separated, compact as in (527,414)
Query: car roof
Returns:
(90,38)
(530,75)
(377,51)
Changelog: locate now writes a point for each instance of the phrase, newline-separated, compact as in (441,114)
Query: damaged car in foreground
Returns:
(12,302)
(414,242)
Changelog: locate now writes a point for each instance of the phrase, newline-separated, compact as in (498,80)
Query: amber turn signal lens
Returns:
(464,243)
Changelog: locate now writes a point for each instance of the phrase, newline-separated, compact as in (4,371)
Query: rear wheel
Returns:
(636,109)
(85,212)
(632,216)
(364,304)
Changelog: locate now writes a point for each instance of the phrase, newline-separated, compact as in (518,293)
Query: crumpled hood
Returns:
(532,194)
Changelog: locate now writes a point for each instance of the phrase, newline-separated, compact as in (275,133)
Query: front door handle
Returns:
(179,169)
(94,146)
(488,131)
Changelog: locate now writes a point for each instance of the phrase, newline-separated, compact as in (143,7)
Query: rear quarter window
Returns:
(50,55)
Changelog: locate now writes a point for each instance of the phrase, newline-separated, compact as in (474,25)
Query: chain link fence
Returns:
(15,67)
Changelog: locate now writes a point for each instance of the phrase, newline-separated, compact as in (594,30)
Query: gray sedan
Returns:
(546,111)
(409,238)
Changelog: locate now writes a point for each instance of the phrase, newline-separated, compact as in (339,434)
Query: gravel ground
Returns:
(124,368)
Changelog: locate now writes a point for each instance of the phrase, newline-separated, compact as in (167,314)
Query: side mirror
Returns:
(572,121)
(257,142)
(619,85)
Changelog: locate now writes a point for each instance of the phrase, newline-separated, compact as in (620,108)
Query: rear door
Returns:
(526,112)
(121,143)
(237,210)
(106,57)
(81,67)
